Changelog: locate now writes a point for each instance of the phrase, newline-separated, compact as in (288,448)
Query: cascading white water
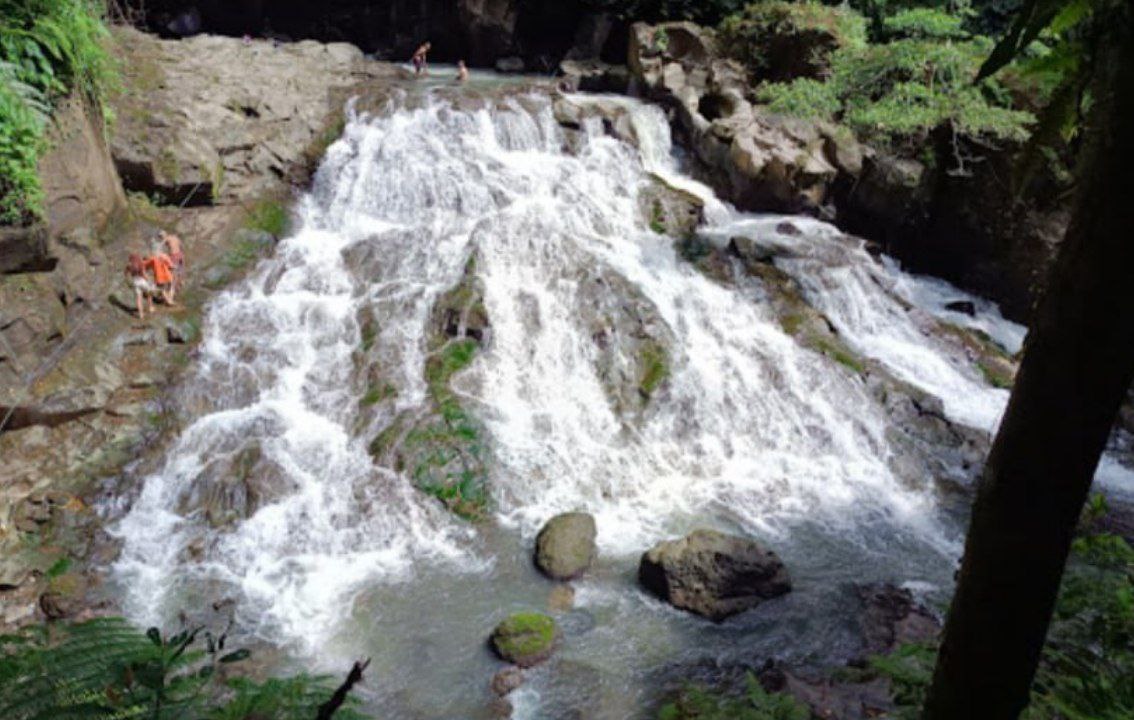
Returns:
(752,433)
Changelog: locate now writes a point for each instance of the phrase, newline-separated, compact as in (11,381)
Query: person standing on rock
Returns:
(172,243)
(162,267)
(419,58)
(462,72)
(143,289)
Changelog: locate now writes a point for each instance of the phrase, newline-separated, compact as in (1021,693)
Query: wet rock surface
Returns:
(87,381)
(755,159)
(210,119)
(565,547)
(712,574)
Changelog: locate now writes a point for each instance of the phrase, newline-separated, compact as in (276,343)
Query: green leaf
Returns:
(236,656)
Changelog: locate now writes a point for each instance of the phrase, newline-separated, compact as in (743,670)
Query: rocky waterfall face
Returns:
(476,278)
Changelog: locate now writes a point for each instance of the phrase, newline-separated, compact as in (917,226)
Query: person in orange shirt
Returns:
(161,266)
(173,244)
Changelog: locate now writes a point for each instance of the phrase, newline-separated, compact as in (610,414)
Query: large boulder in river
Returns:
(713,574)
(524,639)
(565,547)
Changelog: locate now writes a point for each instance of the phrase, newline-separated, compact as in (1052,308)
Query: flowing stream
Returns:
(332,557)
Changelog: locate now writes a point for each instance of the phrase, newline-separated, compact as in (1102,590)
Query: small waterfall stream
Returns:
(333,556)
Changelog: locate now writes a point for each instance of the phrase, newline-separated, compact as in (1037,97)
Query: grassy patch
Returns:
(242,254)
(269,215)
(792,322)
(377,393)
(995,375)
(840,354)
(654,364)
(440,368)
(368,334)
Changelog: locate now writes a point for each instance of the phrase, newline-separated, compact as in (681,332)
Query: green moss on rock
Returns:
(655,368)
(525,639)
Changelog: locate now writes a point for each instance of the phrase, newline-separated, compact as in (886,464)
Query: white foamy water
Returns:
(750,431)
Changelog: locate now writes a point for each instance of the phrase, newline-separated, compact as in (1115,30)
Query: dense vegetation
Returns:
(105,669)
(1087,669)
(48,48)
(889,75)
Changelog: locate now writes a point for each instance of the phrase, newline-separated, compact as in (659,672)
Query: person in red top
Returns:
(161,266)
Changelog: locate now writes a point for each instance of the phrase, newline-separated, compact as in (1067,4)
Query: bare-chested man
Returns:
(419,58)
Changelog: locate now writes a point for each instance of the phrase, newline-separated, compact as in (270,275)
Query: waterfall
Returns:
(751,432)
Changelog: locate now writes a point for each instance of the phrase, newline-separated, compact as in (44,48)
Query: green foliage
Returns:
(697,703)
(269,215)
(804,97)
(23,115)
(453,358)
(47,49)
(448,454)
(781,40)
(925,22)
(108,669)
(105,668)
(910,670)
(1087,668)
(904,89)
(1087,672)
(377,393)
(654,362)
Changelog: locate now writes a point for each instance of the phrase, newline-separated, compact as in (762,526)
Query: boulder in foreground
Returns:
(713,574)
(565,547)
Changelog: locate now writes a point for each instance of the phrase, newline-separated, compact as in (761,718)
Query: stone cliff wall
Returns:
(965,227)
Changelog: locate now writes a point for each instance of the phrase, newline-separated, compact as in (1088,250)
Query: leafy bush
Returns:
(105,669)
(904,89)
(1087,668)
(696,703)
(779,40)
(23,115)
(924,22)
(47,49)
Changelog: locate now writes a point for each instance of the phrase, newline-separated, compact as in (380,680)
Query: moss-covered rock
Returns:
(670,210)
(565,547)
(525,639)
(441,447)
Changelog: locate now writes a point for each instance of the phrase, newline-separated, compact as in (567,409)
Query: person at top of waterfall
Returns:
(143,289)
(172,243)
(462,72)
(420,58)
(161,266)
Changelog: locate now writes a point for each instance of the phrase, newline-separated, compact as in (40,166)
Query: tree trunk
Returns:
(1077,366)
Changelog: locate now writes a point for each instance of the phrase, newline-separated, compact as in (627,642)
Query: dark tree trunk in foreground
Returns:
(1078,363)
